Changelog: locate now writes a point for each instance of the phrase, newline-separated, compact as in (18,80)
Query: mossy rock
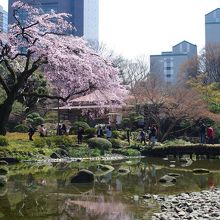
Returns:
(167,179)
(105,167)
(3,170)
(3,181)
(62,152)
(54,155)
(3,163)
(116,143)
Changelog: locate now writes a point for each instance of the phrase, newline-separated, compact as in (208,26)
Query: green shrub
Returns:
(34,119)
(125,123)
(21,128)
(99,143)
(90,132)
(76,125)
(3,141)
(40,142)
(176,142)
(115,134)
(115,143)
(130,152)
(55,141)
(51,117)
(61,141)
(95,152)
(217,133)
(123,135)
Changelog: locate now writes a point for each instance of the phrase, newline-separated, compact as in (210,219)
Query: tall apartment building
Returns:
(168,64)
(3,20)
(212,27)
(85,15)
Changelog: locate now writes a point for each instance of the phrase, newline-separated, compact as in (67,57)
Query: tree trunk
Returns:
(5,110)
(168,131)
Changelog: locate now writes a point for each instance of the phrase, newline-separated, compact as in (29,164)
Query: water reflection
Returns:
(44,192)
(97,209)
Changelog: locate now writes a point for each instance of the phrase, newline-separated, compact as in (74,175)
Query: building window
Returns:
(168,75)
(168,68)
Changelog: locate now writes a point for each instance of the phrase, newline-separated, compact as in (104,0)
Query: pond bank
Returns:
(194,205)
(107,157)
(198,149)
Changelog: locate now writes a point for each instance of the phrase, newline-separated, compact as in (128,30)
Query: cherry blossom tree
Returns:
(38,42)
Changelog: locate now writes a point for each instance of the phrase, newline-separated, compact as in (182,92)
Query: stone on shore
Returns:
(195,205)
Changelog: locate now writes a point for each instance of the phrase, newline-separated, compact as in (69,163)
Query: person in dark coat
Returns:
(31,132)
(142,136)
(63,129)
(59,129)
(202,133)
(80,132)
(100,132)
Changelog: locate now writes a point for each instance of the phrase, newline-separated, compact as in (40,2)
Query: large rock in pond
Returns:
(167,179)
(105,168)
(3,181)
(3,170)
(185,162)
(174,174)
(123,171)
(200,171)
(83,176)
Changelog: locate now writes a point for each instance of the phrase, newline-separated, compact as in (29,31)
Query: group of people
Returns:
(206,134)
(150,135)
(107,130)
(61,130)
(42,131)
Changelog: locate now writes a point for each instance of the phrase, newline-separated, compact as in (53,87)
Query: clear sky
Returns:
(144,27)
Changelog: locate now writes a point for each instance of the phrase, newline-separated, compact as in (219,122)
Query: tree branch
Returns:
(64,99)
(10,70)
(5,87)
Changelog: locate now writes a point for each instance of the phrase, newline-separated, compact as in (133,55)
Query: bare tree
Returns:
(131,71)
(168,106)
(208,62)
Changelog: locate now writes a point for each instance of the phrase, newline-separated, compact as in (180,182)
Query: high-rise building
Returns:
(168,65)
(212,27)
(85,15)
(3,20)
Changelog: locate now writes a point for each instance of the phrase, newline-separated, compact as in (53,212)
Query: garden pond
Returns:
(43,191)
